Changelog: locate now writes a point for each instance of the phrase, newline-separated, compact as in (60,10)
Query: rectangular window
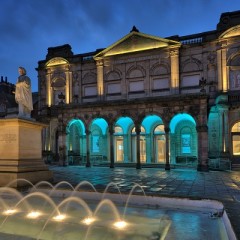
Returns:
(90,91)
(190,81)
(142,149)
(136,86)
(186,143)
(234,80)
(119,149)
(236,144)
(114,88)
(95,144)
(162,83)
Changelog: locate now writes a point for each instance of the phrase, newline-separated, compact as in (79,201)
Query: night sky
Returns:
(29,27)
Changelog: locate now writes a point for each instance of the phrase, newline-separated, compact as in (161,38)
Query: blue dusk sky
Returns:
(29,27)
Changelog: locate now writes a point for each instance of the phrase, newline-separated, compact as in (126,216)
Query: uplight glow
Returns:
(88,220)
(33,214)
(120,224)
(59,217)
(9,212)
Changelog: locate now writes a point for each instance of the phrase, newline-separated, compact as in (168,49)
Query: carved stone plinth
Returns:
(21,152)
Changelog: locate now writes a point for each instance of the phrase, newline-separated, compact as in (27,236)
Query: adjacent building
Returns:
(145,100)
(8,104)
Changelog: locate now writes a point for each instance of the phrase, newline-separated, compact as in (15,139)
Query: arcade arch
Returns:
(183,139)
(152,140)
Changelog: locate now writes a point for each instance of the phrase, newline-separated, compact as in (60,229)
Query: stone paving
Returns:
(217,185)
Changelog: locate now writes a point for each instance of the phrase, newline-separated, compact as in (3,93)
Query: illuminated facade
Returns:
(145,100)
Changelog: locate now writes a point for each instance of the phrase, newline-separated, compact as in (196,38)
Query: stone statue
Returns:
(23,94)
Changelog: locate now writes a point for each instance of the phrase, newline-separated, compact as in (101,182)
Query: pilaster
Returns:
(100,87)
(174,56)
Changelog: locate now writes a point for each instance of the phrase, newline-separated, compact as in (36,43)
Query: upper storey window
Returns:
(160,77)
(234,73)
(89,83)
(136,75)
(58,86)
(191,73)
(113,82)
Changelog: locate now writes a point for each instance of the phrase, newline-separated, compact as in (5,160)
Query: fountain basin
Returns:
(146,217)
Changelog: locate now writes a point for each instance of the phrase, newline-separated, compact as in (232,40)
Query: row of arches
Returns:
(124,141)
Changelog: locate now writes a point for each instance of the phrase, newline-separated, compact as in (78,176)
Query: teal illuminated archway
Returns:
(183,140)
(98,140)
(122,139)
(76,141)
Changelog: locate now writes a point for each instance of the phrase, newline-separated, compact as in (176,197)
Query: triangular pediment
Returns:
(135,42)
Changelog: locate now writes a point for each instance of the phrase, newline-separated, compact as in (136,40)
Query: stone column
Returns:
(174,55)
(138,131)
(224,133)
(48,89)
(219,68)
(62,149)
(202,148)
(111,149)
(88,163)
(100,87)
(222,67)
(68,90)
(167,164)
(149,148)
(125,148)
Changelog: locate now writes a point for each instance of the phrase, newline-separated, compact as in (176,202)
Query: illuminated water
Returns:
(54,213)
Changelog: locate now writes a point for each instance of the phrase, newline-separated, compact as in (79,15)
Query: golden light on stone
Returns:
(56,61)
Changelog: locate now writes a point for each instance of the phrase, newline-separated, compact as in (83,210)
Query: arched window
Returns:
(236,139)
(159,144)
(119,145)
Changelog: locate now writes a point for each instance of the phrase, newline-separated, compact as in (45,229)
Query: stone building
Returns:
(7,98)
(145,100)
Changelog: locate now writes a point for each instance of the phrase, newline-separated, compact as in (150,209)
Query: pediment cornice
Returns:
(136,42)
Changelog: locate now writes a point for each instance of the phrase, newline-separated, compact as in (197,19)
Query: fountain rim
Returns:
(174,203)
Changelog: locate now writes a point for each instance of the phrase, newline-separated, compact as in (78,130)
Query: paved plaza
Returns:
(217,185)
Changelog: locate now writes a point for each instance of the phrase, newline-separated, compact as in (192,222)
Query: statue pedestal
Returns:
(21,152)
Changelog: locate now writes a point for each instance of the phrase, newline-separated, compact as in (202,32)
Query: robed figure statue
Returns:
(23,94)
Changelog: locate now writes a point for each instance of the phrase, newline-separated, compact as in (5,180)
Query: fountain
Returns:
(48,212)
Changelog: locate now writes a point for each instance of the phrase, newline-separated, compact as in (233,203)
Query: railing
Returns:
(192,41)
(219,164)
(188,160)
(81,159)
(76,160)
(234,98)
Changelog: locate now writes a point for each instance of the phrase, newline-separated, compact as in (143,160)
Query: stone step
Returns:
(236,166)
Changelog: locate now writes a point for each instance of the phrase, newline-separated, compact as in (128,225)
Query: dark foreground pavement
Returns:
(217,185)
